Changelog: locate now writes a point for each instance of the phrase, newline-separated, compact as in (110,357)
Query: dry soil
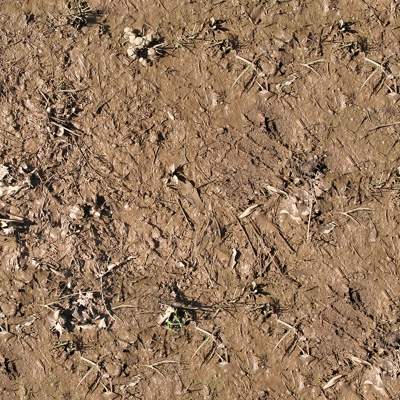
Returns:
(222,223)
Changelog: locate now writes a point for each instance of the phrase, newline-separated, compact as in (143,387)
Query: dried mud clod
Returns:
(144,47)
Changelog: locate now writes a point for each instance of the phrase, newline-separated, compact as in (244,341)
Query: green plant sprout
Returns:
(177,320)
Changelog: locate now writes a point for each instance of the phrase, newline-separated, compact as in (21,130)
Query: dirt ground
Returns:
(221,223)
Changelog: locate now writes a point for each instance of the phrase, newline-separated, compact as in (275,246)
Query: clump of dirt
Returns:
(221,223)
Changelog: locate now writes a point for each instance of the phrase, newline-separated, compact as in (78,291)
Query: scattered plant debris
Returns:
(79,13)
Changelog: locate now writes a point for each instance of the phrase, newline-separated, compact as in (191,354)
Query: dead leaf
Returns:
(289,81)
(164,317)
(298,205)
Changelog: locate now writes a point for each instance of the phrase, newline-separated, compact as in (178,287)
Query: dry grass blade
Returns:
(104,301)
(164,362)
(138,205)
(153,366)
(209,335)
(232,260)
(309,221)
(349,212)
(309,65)
(65,128)
(241,74)
(360,361)
(94,366)
(291,329)
(384,126)
(378,66)
(373,62)
(356,209)
(205,341)
(273,189)
(248,238)
(332,382)
(156,370)
(370,76)
(121,306)
(248,211)
(85,376)
(249,65)
(92,363)
(112,266)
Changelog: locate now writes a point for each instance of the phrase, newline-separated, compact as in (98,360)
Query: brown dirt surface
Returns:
(221,223)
